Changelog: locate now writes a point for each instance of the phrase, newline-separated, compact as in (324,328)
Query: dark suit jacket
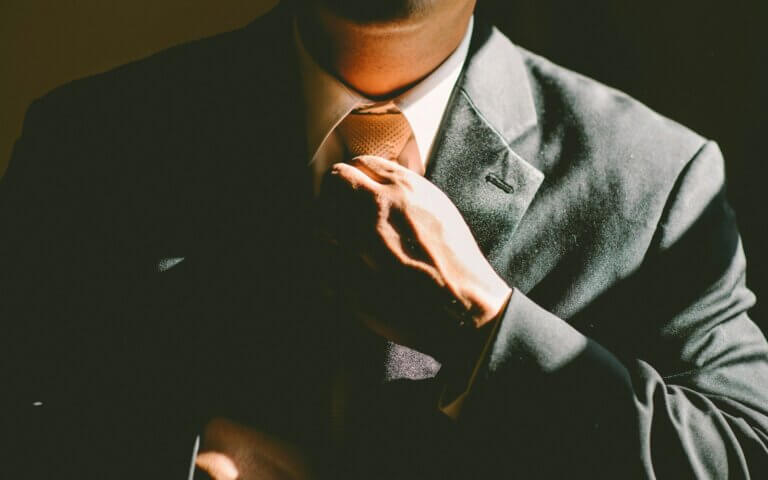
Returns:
(156,268)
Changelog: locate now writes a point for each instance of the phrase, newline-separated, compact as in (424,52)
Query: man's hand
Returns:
(424,263)
(231,451)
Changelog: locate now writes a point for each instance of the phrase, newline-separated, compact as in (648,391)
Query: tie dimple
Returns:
(380,134)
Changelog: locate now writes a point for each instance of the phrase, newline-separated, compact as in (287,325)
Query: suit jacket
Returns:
(156,268)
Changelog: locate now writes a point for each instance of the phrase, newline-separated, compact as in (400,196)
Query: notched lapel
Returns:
(490,184)
(472,162)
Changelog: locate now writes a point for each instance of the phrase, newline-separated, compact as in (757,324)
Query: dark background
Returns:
(702,63)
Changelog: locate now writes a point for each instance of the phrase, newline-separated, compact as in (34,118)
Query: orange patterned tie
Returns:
(383,134)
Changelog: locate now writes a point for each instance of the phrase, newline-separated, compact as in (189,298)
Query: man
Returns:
(366,241)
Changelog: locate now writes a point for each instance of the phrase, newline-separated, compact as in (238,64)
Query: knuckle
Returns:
(402,193)
(383,205)
(400,177)
(380,199)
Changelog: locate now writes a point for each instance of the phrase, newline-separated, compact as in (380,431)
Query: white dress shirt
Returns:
(328,101)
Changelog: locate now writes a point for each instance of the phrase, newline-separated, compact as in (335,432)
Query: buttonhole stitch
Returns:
(496,180)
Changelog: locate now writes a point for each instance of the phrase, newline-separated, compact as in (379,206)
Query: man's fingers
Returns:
(231,451)
(217,465)
(378,168)
(355,177)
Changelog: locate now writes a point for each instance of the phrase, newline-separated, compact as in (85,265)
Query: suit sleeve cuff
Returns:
(528,333)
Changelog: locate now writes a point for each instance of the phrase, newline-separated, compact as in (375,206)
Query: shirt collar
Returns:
(328,100)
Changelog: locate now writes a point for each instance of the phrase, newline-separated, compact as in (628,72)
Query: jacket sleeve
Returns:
(38,238)
(31,266)
(64,411)
(683,394)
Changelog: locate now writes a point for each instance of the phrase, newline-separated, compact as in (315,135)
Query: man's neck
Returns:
(382,60)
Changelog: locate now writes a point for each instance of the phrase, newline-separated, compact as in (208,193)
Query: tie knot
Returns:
(383,134)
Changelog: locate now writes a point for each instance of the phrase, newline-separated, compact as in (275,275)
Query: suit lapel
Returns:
(472,162)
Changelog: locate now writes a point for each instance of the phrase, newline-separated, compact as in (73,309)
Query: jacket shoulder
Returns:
(177,81)
(607,120)
(628,157)
(135,115)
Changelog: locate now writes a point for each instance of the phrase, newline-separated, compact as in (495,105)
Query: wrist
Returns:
(467,356)
(475,325)
(488,303)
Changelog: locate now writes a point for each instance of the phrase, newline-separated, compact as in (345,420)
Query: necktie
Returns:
(384,131)
(380,133)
